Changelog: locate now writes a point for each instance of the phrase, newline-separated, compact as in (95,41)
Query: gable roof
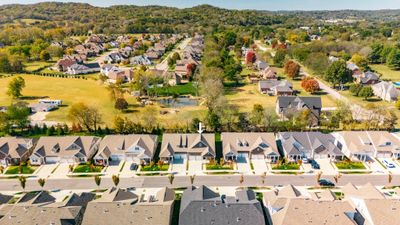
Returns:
(367,191)
(13,147)
(201,206)
(247,142)
(120,144)
(202,144)
(66,146)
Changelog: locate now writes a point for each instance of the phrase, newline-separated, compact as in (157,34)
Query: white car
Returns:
(388,164)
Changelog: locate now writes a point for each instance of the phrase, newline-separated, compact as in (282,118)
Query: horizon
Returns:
(268,5)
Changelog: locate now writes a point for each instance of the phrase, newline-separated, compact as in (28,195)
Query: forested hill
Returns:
(133,19)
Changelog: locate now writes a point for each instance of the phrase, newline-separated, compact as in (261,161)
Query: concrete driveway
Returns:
(326,167)
(44,171)
(395,170)
(179,166)
(61,171)
(113,169)
(376,166)
(195,167)
(260,166)
(243,165)
(126,170)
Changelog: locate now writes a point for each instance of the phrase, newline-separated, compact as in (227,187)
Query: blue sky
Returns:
(246,4)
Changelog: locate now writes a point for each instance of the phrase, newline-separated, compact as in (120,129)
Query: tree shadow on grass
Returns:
(33,97)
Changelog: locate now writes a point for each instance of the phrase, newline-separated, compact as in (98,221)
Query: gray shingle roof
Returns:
(201,206)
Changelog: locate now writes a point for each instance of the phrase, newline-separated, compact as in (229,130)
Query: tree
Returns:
(121,104)
(191,69)
(115,180)
(97,180)
(41,182)
(15,87)
(45,55)
(366,92)
(232,72)
(22,181)
(338,73)
(375,55)
(18,115)
(257,115)
(292,69)
(250,57)
(360,61)
(280,57)
(355,89)
(310,85)
(88,116)
(214,121)
(393,59)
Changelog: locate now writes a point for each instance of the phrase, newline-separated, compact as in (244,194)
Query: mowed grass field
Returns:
(91,92)
(387,73)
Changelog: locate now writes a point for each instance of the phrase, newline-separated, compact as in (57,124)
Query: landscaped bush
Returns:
(286,166)
(213,165)
(160,166)
(85,168)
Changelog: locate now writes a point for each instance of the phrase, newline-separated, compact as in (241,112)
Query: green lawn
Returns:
(346,165)
(181,89)
(84,168)
(387,73)
(155,167)
(25,170)
(287,166)
(32,66)
(219,167)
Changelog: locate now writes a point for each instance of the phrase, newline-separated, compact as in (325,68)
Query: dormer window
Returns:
(239,143)
(263,145)
(56,149)
(245,143)
(73,147)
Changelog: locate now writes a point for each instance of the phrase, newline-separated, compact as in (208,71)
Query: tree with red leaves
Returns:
(250,57)
(310,85)
(291,69)
(190,69)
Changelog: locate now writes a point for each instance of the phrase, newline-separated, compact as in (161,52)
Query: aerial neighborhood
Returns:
(200,115)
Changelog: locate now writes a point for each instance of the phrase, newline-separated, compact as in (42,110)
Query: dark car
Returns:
(134,166)
(326,183)
(314,164)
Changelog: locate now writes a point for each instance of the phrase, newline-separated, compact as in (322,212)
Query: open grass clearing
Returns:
(386,72)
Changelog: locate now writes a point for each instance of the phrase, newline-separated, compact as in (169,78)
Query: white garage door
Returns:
(258,156)
(195,157)
(50,160)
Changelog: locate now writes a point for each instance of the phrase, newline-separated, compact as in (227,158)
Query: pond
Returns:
(178,102)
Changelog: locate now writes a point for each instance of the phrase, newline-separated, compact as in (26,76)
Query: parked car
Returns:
(304,160)
(326,183)
(314,164)
(388,164)
(134,166)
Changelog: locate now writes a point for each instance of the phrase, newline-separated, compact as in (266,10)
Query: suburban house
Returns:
(106,68)
(289,105)
(275,87)
(310,145)
(188,146)
(140,60)
(378,211)
(83,68)
(355,70)
(356,145)
(366,78)
(386,144)
(114,57)
(122,207)
(300,211)
(268,73)
(67,61)
(249,146)
(14,150)
(131,148)
(42,107)
(173,78)
(201,206)
(42,208)
(67,149)
(367,191)
(386,91)
(260,65)
(118,74)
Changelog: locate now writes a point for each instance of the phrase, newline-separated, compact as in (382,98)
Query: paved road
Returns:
(210,180)
(164,64)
